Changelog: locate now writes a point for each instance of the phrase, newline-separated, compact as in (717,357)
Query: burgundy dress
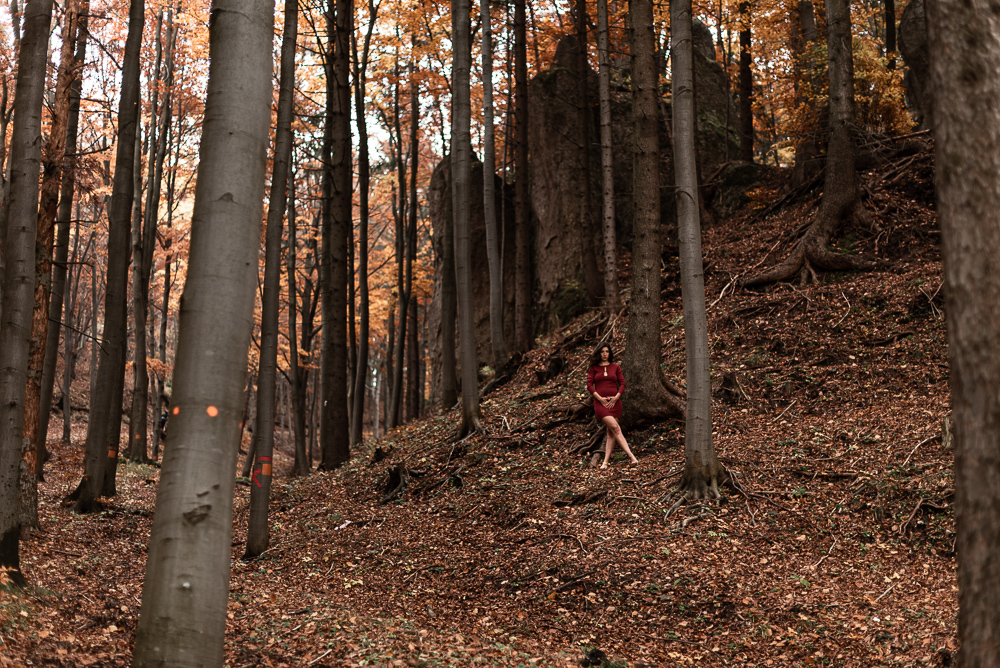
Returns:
(607,381)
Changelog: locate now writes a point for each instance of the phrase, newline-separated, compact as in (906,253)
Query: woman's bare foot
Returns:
(635,461)
(604,466)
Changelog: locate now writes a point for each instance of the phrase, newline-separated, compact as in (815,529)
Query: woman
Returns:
(606,383)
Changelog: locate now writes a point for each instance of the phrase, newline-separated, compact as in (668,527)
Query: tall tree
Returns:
(489,199)
(746,83)
(296,373)
(19,277)
(841,196)
(364,187)
(702,470)
(144,237)
(258,535)
(61,252)
(592,276)
(32,449)
(413,343)
(890,33)
(523,333)
(183,617)
(807,150)
(966,78)
(461,167)
(337,225)
(648,397)
(103,424)
(404,262)
(612,297)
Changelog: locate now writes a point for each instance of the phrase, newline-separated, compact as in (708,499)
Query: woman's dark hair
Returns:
(595,358)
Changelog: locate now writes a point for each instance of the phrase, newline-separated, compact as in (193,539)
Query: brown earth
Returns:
(836,547)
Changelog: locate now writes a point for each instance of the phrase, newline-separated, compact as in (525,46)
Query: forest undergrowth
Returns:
(834,548)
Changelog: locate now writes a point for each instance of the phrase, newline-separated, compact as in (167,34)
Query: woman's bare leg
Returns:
(615,432)
(609,447)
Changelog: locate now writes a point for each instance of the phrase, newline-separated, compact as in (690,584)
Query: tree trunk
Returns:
(592,275)
(413,361)
(53,155)
(183,616)
(647,397)
(402,250)
(364,185)
(258,536)
(461,167)
(746,83)
(335,437)
(890,33)
(966,78)
(60,284)
(413,357)
(19,277)
(702,471)
(489,202)
(841,197)
(102,410)
(295,370)
(523,328)
(142,262)
(612,298)
(807,161)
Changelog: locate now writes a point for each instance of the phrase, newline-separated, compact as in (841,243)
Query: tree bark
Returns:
(523,327)
(461,167)
(258,535)
(489,201)
(746,83)
(335,444)
(19,277)
(807,162)
(702,470)
(647,397)
(60,283)
(183,615)
(890,33)
(364,185)
(965,74)
(612,297)
(101,426)
(402,261)
(297,377)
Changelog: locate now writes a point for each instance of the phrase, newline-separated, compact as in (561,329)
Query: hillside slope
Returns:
(835,548)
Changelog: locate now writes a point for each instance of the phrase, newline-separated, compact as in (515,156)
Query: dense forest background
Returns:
(458,201)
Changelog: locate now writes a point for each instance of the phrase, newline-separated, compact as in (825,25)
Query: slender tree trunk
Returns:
(102,411)
(60,284)
(612,298)
(523,332)
(702,471)
(19,277)
(592,275)
(413,358)
(489,201)
(69,354)
(334,431)
(807,150)
(258,536)
(413,361)
(746,84)
(965,74)
(890,33)
(142,262)
(183,616)
(295,371)
(461,164)
(402,250)
(364,184)
(32,450)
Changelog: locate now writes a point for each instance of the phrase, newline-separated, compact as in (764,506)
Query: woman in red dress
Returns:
(606,383)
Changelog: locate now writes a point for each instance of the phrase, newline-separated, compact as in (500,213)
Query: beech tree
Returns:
(258,536)
(648,397)
(966,78)
(105,417)
(489,200)
(702,470)
(461,167)
(523,332)
(746,82)
(19,276)
(183,617)
(612,297)
(841,203)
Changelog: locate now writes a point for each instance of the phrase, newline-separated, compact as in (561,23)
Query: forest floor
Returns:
(835,549)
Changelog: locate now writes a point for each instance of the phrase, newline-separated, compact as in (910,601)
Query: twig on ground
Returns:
(886,592)
(320,656)
(784,411)
(923,442)
(828,552)
(847,312)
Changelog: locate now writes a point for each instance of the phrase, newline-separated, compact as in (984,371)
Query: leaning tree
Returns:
(183,616)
